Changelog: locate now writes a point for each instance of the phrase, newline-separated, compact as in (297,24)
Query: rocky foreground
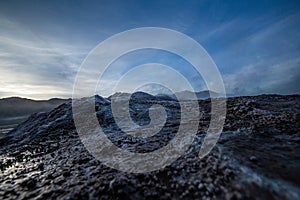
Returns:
(257,156)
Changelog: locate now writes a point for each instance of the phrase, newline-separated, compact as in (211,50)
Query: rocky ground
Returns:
(257,156)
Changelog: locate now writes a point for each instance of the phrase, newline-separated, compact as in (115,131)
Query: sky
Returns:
(254,44)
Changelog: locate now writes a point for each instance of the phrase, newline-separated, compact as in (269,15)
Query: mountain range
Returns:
(14,110)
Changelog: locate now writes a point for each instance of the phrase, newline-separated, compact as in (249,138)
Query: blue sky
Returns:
(255,44)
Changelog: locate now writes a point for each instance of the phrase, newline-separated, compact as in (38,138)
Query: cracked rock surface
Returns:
(256,157)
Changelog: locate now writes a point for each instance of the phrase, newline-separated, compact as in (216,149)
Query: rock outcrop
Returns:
(257,156)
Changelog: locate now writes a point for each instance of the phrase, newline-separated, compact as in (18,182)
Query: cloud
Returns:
(264,61)
(282,78)
(31,66)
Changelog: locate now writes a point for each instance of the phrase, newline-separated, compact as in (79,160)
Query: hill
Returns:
(14,110)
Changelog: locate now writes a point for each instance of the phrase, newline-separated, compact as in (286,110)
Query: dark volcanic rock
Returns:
(257,156)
